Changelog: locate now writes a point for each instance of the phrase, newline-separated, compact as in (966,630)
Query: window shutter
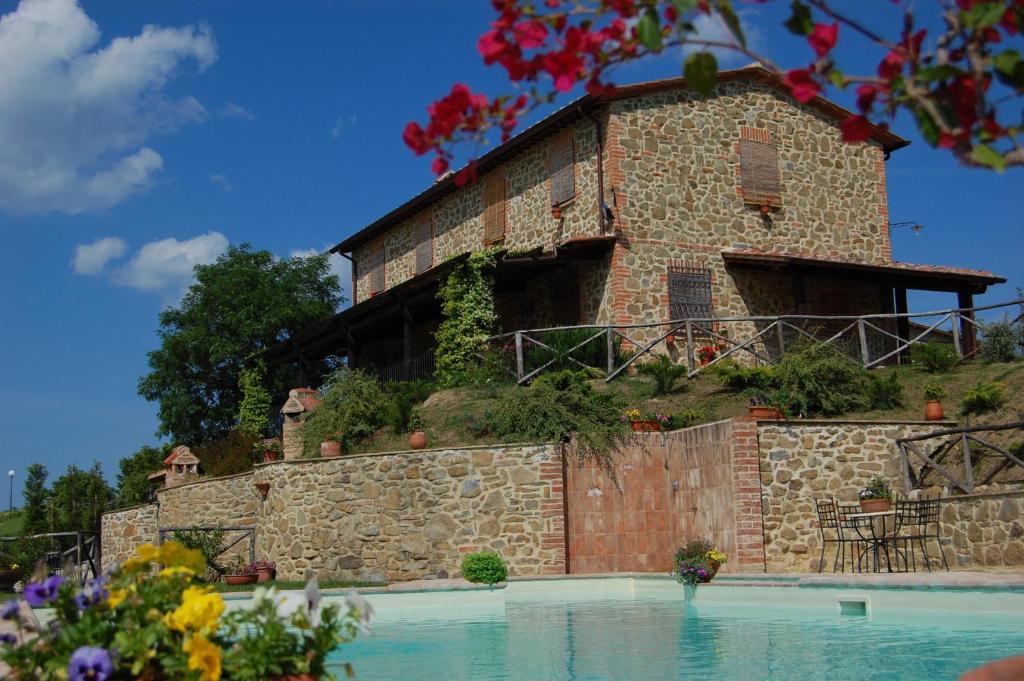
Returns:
(759,173)
(424,235)
(494,207)
(377,270)
(689,292)
(560,160)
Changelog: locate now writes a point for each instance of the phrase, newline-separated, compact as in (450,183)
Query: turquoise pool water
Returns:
(637,636)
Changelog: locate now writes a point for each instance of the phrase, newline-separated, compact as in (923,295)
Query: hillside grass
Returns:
(10,523)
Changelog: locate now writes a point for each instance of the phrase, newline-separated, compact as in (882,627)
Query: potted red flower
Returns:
(237,572)
(706,353)
(650,422)
(332,446)
(264,570)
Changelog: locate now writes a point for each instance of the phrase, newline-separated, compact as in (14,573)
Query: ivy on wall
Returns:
(254,411)
(467,307)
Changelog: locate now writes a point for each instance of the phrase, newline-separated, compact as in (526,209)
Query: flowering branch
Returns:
(958,91)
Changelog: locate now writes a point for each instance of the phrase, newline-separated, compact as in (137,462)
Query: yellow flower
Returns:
(716,556)
(176,555)
(203,657)
(146,552)
(198,611)
(117,597)
(177,570)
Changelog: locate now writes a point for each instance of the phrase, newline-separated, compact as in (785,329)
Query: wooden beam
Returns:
(968,331)
(902,323)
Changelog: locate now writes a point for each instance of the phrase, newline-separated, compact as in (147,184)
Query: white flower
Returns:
(362,608)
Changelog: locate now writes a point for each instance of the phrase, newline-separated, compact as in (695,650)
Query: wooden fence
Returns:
(75,555)
(229,542)
(917,459)
(871,340)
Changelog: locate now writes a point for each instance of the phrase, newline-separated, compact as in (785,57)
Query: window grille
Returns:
(689,292)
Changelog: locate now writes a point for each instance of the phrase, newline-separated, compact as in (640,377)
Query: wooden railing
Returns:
(871,340)
(244,532)
(917,460)
(79,561)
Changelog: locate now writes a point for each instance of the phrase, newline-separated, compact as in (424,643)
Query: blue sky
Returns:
(149,149)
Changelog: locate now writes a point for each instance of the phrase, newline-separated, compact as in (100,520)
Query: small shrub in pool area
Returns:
(665,373)
(885,392)
(484,567)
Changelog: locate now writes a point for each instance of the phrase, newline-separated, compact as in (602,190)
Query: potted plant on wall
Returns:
(649,422)
(933,394)
(267,450)
(768,405)
(417,436)
(237,572)
(876,497)
(332,446)
(264,570)
(697,562)
(706,353)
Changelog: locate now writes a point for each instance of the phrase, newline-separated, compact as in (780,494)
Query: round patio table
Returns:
(877,530)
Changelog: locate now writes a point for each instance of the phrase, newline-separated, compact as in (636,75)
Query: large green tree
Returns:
(78,499)
(133,484)
(241,304)
(36,496)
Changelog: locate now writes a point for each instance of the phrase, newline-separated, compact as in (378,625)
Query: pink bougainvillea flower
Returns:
(531,34)
(802,84)
(492,46)
(439,166)
(866,95)
(823,38)
(855,129)
(890,66)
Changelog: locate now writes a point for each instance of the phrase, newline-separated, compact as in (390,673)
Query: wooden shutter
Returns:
(759,173)
(689,292)
(494,207)
(377,269)
(560,163)
(424,236)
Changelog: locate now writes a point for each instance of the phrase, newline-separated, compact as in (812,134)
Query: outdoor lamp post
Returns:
(10,500)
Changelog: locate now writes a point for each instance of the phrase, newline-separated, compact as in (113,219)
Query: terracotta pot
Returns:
(759,411)
(933,411)
(270,455)
(330,448)
(263,488)
(645,426)
(264,574)
(235,580)
(713,570)
(875,505)
(417,440)
(8,578)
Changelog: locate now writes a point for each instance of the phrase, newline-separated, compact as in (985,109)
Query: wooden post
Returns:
(902,323)
(968,331)
(610,339)
(968,464)
(955,318)
(351,349)
(690,361)
(520,362)
(862,332)
(406,341)
(781,333)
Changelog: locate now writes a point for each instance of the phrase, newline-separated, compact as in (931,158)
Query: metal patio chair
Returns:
(829,519)
(919,520)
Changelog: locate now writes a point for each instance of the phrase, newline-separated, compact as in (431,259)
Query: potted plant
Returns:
(877,496)
(267,450)
(933,394)
(417,437)
(767,405)
(697,562)
(264,570)
(332,446)
(10,573)
(706,353)
(237,572)
(640,422)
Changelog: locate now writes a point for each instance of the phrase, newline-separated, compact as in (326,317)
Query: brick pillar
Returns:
(746,476)
(552,510)
(300,401)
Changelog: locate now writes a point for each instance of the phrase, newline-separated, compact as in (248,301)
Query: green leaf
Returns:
(649,30)
(701,70)
(731,20)
(930,74)
(1006,61)
(984,14)
(684,6)
(988,156)
(927,126)
(800,22)
(837,79)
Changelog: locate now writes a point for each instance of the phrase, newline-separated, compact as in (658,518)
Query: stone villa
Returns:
(647,205)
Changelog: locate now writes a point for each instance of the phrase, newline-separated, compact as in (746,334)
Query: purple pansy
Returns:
(10,610)
(90,664)
(8,638)
(91,594)
(41,593)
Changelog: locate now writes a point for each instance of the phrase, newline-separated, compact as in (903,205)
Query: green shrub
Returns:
(884,392)
(467,308)
(934,391)
(737,377)
(484,567)
(405,396)
(489,371)
(254,410)
(474,425)
(665,373)
(543,413)
(208,542)
(818,379)
(594,352)
(688,418)
(561,380)
(228,455)
(935,358)
(1001,340)
(353,404)
(983,397)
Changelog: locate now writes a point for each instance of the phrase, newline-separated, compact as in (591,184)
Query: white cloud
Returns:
(166,266)
(343,122)
(710,27)
(92,259)
(75,116)
(341,267)
(219,180)
(233,110)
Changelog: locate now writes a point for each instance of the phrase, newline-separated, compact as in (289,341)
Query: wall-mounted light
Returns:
(912,225)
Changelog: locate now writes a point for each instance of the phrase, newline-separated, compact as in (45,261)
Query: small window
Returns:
(759,173)
(377,269)
(560,162)
(494,207)
(689,292)
(424,235)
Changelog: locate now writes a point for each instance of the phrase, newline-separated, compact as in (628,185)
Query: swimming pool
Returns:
(641,630)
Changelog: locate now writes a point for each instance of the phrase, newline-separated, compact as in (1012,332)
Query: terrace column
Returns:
(902,323)
(968,331)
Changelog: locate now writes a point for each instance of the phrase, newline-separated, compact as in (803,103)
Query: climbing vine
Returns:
(467,306)
(254,411)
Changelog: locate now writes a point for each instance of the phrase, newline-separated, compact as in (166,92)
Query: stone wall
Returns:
(984,529)
(413,515)
(230,501)
(806,460)
(663,489)
(121,532)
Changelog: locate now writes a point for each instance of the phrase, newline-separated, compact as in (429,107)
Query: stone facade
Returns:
(984,529)
(230,501)
(125,530)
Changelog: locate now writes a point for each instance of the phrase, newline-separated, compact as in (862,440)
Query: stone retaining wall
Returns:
(124,530)
(985,529)
(230,500)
